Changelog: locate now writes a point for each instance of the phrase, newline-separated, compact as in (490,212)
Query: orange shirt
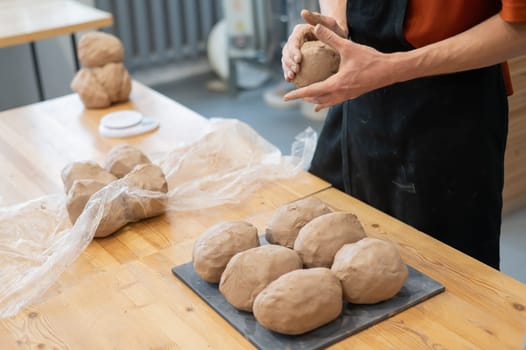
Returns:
(428,21)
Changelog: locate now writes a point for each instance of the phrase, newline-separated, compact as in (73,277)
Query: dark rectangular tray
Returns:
(353,319)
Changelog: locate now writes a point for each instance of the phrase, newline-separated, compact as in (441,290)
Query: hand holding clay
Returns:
(104,80)
(319,62)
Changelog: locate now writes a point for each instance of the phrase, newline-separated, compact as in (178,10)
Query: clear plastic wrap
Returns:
(37,241)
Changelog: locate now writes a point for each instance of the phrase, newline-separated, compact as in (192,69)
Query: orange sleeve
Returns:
(513,10)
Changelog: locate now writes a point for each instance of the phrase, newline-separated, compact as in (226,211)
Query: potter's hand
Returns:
(362,69)
(291,55)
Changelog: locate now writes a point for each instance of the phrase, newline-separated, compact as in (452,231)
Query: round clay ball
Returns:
(319,61)
(148,177)
(299,301)
(90,90)
(115,80)
(214,248)
(85,170)
(371,270)
(249,272)
(287,220)
(96,49)
(121,159)
(320,239)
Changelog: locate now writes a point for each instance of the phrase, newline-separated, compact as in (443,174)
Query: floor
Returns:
(279,126)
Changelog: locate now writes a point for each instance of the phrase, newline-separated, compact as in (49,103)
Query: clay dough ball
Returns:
(319,61)
(371,270)
(95,49)
(78,196)
(90,90)
(139,195)
(214,248)
(299,301)
(84,170)
(287,220)
(249,272)
(147,176)
(320,239)
(115,81)
(121,159)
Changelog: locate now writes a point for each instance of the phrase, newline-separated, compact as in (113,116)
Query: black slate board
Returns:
(353,319)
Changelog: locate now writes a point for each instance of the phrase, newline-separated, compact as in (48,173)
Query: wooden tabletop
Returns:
(24,21)
(121,294)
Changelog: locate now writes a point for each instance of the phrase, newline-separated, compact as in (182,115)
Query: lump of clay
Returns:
(287,220)
(78,196)
(130,201)
(121,159)
(100,87)
(90,90)
(250,271)
(96,49)
(115,81)
(214,248)
(371,270)
(319,61)
(104,80)
(320,239)
(85,170)
(299,301)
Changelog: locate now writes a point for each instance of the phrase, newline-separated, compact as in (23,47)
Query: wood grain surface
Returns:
(121,294)
(24,21)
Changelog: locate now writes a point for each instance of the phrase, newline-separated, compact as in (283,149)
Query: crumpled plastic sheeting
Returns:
(37,241)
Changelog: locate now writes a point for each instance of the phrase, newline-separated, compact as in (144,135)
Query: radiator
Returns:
(155,32)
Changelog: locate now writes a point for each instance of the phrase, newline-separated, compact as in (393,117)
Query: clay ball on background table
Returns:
(249,272)
(115,81)
(214,248)
(299,301)
(96,49)
(84,170)
(90,90)
(287,220)
(121,159)
(320,239)
(371,270)
(319,61)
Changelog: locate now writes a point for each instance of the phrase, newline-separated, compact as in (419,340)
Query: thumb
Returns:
(329,37)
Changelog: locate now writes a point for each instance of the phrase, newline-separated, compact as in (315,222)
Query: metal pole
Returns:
(37,71)
(75,54)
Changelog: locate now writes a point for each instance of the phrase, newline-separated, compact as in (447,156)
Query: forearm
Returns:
(335,9)
(490,42)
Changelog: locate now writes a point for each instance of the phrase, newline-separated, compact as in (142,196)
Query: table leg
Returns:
(37,71)
(75,54)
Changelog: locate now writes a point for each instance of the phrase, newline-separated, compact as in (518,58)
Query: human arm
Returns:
(363,68)
(332,16)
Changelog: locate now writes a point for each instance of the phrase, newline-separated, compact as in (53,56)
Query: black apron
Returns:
(429,151)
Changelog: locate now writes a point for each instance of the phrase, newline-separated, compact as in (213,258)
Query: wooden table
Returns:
(120,294)
(27,21)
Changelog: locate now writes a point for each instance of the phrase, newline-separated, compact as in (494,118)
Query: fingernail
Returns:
(294,68)
(296,59)
(290,74)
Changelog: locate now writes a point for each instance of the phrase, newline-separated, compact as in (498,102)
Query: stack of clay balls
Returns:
(317,259)
(103,80)
(128,170)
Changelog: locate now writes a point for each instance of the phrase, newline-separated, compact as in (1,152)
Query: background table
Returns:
(121,294)
(27,21)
